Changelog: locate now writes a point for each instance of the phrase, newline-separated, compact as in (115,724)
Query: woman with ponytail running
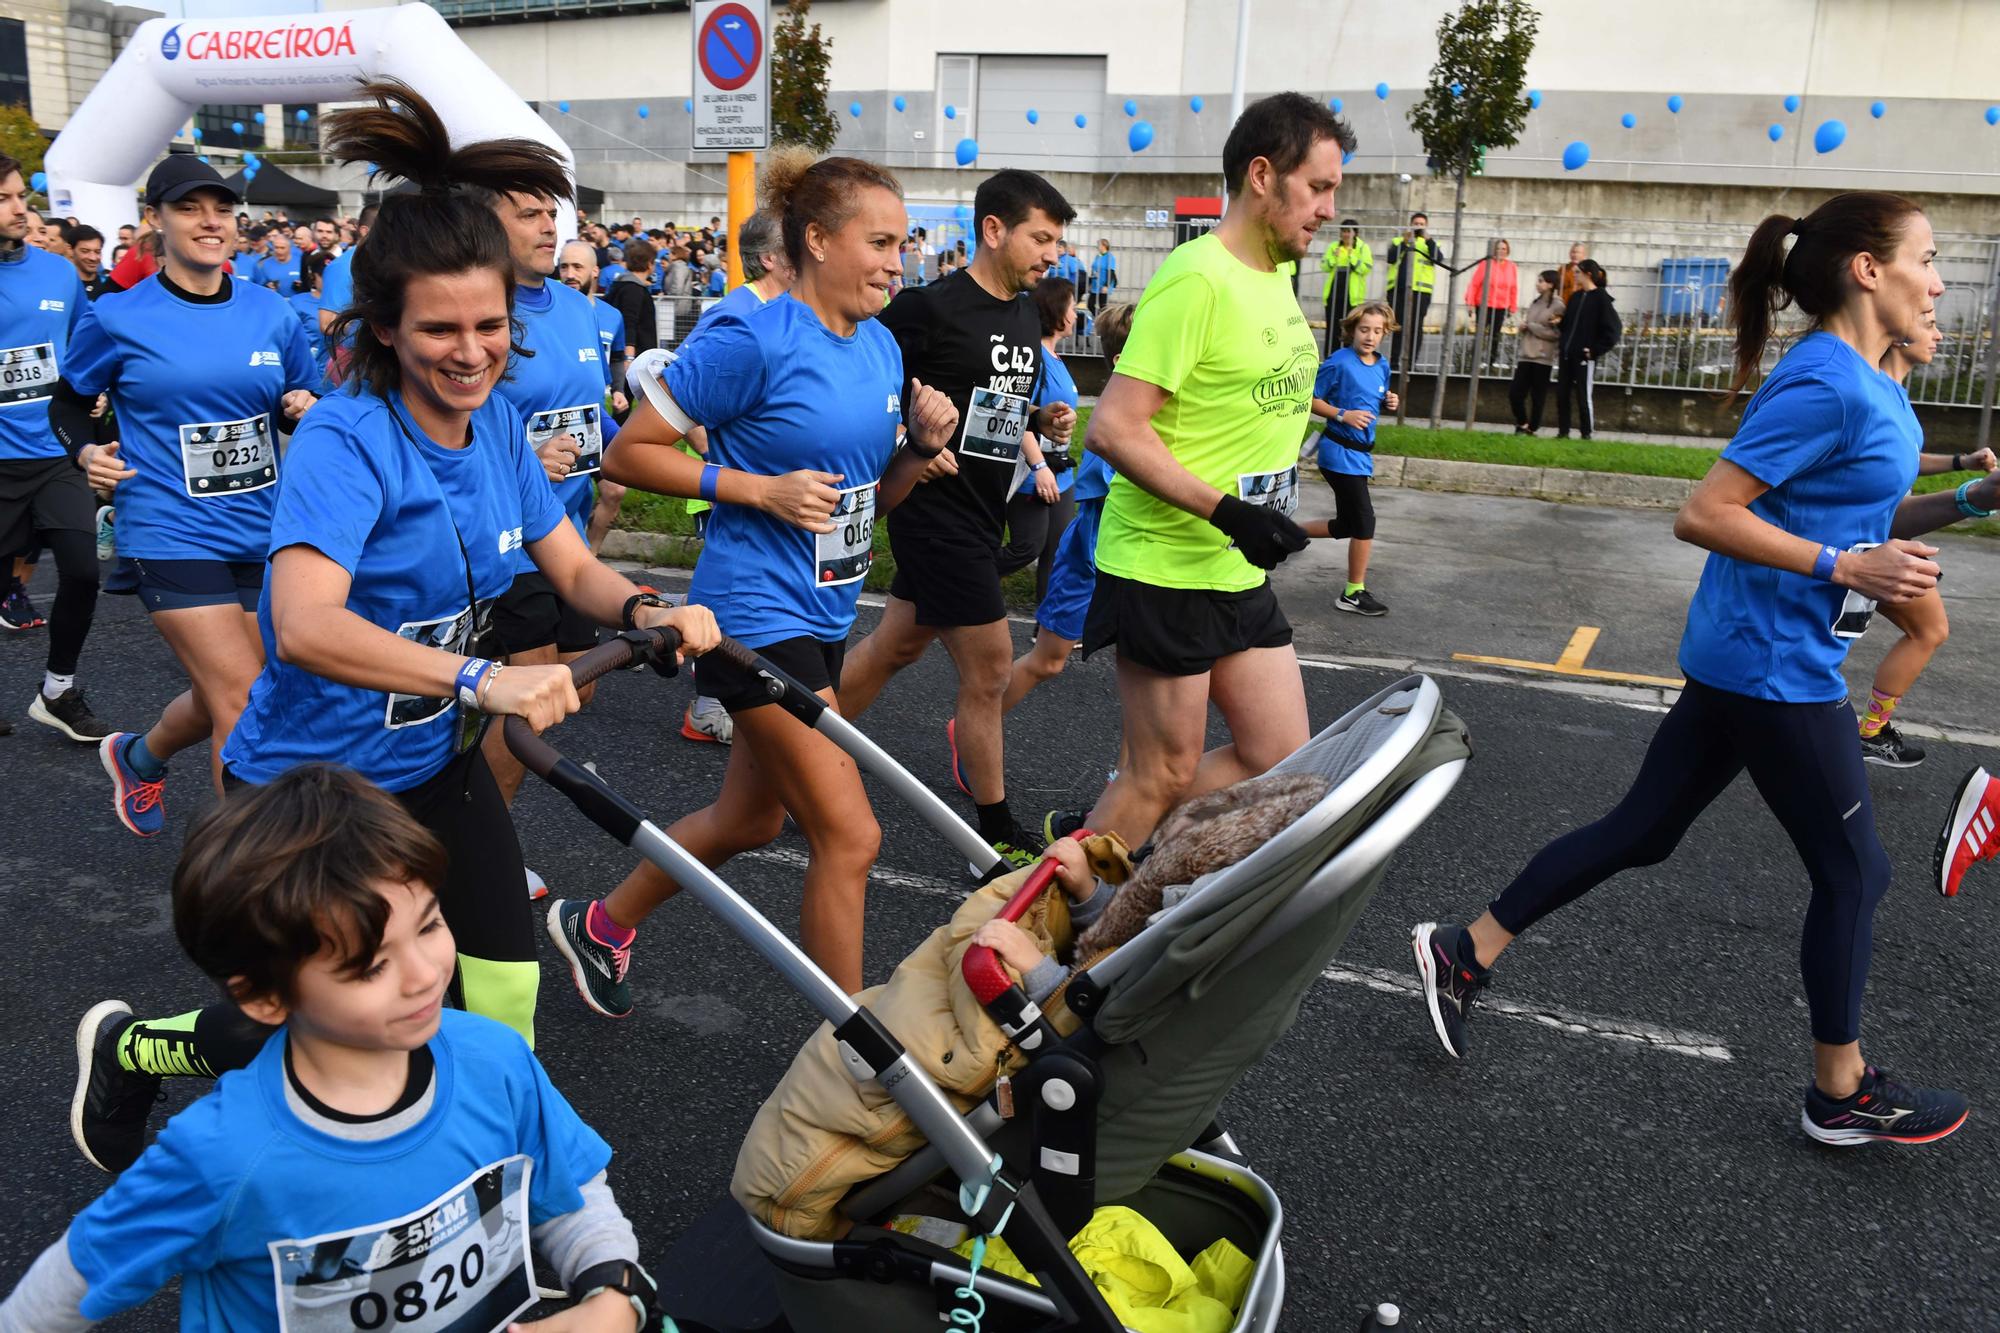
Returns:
(404,498)
(1805,520)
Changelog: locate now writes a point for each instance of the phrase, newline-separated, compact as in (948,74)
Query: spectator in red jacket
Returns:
(1494,295)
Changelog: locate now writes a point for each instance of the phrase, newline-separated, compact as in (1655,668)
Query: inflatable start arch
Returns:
(171,67)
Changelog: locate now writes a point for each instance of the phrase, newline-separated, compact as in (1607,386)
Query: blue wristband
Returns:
(1823,566)
(1965,505)
(709,473)
(469,676)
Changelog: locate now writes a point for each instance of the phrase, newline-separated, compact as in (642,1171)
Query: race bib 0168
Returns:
(994,425)
(583,423)
(1271,490)
(844,555)
(459,1264)
(27,374)
(228,457)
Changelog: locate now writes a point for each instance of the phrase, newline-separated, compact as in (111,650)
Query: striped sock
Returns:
(1880,705)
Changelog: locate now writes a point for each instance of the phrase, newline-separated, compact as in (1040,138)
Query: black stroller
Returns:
(1121,1111)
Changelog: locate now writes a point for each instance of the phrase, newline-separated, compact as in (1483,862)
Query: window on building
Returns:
(13,62)
(217,125)
(302,132)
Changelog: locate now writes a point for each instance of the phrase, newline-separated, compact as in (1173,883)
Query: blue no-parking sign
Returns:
(732,75)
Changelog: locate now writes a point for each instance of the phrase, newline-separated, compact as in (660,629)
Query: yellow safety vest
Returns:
(1357,259)
(1423,273)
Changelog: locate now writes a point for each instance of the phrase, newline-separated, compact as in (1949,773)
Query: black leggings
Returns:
(1034,530)
(76,597)
(484,899)
(1574,384)
(1528,392)
(1806,762)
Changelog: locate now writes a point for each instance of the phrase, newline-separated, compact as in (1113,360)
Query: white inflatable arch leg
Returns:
(170,68)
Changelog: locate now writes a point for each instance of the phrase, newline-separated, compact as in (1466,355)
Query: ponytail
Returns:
(1812,274)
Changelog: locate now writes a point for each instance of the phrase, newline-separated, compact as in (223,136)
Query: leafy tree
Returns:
(21,138)
(800,61)
(1476,100)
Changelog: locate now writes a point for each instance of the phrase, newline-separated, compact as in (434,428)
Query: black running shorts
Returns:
(529,615)
(812,662)
(1181,631)
(42,495)
(949,584)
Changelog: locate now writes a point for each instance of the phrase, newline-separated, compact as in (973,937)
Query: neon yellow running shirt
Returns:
(1231,348)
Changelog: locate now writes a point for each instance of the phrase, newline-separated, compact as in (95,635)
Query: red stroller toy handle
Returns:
(1019,1017)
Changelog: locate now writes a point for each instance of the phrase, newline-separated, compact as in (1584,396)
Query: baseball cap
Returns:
(180,174)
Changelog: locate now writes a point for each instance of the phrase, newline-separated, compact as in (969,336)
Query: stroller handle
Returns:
(635,647)
(1005,1002)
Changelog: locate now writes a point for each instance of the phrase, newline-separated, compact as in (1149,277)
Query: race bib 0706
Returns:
(27,374)
(844,555)
(1271,490)
(228,457)
(459,1264)
(994,425)
(454,634)
(583,423)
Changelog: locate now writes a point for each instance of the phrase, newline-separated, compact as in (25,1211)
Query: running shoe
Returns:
(951,744)
(538,888)
(1450,987)
(1967,835)
(108,1112)
(708,721)
(1061,823)
(1883,1111)
(1362,603)
(17,612)
(107,542)
(1889,748)
(69,713)
(598,969)
(136,800)
(1017,855)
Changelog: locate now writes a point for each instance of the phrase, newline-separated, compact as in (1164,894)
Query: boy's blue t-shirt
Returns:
(779,391)
(1348,382)
(560,390)
(283,272)
(1836,441)
(367,489)
(272,1223)
(198,388)
(41,303)
(1056,386)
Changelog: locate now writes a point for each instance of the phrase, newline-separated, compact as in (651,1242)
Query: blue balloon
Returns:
(1131,107)
(1576,155)
(1195,105)
(644,111)
(963,212)
(39,181)
(1628,120)
(1993,115)
(203,157)
(1674,104)
(687,105)
(1081,120)
(1333,104)
(563,107)
(1382,92)
(1034,116)
(854,109)
(302,115)
(1792,102)
(1829,136)
(1878,109)
(902,103)
(950,112)
(236,125)
(197,134)
(1140,136)
(1535,99)
(968,149)
(251,160)
(259,118)
(1345,158)
(1776,132)
(1457,89)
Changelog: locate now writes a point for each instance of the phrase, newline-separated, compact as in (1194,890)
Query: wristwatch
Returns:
(637,600)
(630,1281)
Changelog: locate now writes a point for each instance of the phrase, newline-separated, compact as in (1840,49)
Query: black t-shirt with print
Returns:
(959,339)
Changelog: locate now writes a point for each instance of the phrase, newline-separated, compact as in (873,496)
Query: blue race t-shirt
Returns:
(1056,386)
(336,288)
(41,303)
(739,302)
(306,306)
(779,391)
(1836,441)
(367,489)
(1104,273)
(1348,382)
(559,389)
(198,388)
(272,1223)
(281,274)
(610,338)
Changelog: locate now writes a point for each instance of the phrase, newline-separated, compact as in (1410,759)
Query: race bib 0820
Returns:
(27,374)
(459,1264)
(583,423)
(228,457)
(844,555)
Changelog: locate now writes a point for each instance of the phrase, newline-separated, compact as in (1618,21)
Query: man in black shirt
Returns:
(975,337)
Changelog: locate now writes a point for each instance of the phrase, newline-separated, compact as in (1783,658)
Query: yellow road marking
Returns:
(1571,663)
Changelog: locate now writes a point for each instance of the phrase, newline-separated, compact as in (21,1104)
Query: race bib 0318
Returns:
(27,374)
(583,423)
(228,457)
(459,1264)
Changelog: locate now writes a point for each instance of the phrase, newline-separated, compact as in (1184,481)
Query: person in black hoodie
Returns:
(1590,329)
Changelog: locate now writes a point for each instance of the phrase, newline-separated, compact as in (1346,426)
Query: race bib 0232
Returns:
(459,1264)
(844,555)
(994,425)
(228,457)
(27,374)
(583,423)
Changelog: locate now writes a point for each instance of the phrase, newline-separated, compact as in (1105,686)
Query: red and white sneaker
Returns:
(1969,832)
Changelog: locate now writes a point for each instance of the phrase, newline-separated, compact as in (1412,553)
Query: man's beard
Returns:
(1283,248)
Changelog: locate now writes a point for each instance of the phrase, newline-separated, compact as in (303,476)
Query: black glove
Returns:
(1264,536)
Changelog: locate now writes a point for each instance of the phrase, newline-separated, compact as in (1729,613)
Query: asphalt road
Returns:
(1620,1149)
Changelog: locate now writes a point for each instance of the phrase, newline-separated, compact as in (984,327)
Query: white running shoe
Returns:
(707,720)
(107,540)
(538,888)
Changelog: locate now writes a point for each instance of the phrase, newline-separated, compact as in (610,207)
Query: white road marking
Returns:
(1699,1045)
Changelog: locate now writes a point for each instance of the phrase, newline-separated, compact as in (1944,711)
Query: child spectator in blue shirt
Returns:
(383,1156)
(1352,389)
